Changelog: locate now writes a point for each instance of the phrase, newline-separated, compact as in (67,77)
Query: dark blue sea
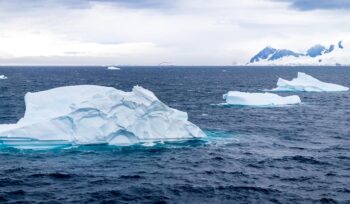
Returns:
(291,154)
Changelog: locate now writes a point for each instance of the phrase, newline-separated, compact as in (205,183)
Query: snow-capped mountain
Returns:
(332,55)
(271,54)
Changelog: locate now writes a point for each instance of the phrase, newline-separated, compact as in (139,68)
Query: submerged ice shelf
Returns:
(307,83)
(34,144)
(89,114)
(259,99)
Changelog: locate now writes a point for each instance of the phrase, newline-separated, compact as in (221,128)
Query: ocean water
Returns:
(292,154)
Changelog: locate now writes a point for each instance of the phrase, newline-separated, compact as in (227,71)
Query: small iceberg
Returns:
(307,83)
(113,68)
(3,77)
(88,114)
(259,99)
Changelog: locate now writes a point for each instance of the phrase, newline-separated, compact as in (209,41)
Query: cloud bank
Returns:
(148,32)
(319,4)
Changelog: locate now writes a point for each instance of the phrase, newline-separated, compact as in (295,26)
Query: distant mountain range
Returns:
(334,54)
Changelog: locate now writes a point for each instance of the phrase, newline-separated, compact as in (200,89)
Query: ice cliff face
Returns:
(307,83)
(332,55)
(88,114)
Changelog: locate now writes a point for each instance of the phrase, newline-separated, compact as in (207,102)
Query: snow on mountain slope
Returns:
(318,55)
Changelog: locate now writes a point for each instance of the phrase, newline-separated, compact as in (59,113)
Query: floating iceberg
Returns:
(89,114)
(307,83)
(3,77)
(259,99)
(113,68)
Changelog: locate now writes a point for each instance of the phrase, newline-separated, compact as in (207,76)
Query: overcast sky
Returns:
(149,32)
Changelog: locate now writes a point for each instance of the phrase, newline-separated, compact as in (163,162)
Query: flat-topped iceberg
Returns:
(307,83)
(259,99)
(113,68)
(89,114)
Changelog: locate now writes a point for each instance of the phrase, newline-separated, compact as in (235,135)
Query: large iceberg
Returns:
(307,83)
(259,99)
(89,114)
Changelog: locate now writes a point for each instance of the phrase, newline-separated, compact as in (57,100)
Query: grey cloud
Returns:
(306,5)
(81,4)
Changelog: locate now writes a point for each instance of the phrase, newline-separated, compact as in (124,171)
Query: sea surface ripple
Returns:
(293,154)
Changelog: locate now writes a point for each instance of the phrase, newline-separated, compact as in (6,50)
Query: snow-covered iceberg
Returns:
(88,114)
(307,83)
(113,68)
(259,99)
(3,77)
